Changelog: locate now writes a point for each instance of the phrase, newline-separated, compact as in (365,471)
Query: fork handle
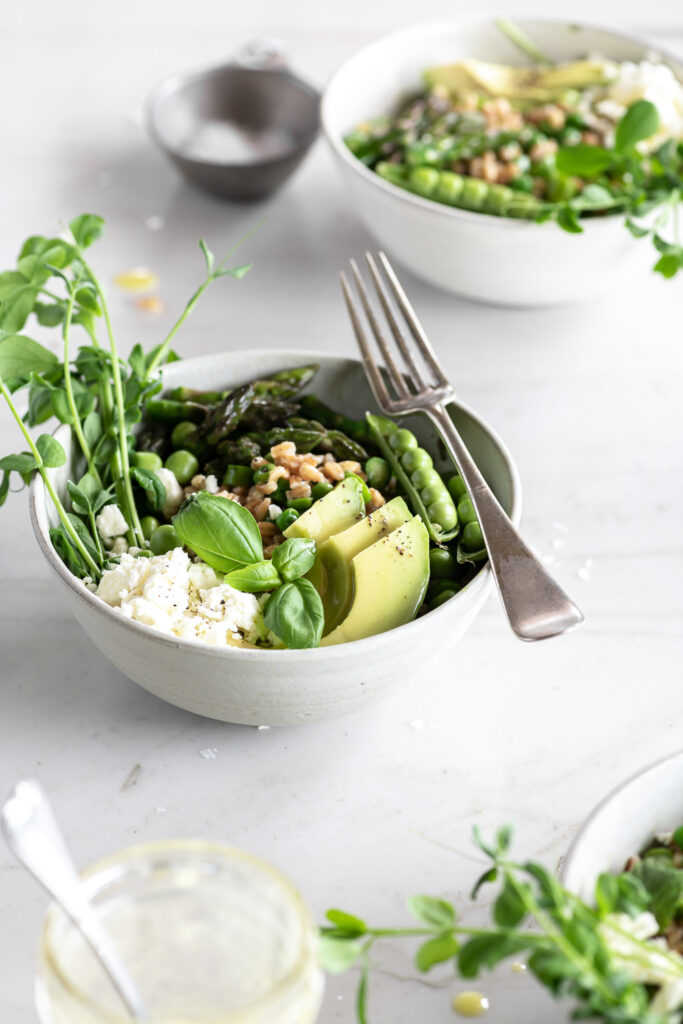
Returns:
(536,606)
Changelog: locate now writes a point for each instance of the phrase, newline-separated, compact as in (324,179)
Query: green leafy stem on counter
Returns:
(588,954)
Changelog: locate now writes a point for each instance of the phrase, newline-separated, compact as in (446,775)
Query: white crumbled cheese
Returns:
(174,492)
(120,546)
(211,484)
(646,80)
(274,510)
(110,523)
(186,599)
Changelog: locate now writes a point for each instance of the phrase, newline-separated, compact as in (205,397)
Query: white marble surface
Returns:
(588,400)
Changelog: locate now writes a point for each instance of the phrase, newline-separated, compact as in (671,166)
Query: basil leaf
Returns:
(640,121)
(583,160)
(220,531)
(294,557)
(21,356)
(295,614)
(254,579)
(569,221)
(51,451)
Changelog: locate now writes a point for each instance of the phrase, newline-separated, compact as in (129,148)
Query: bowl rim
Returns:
(452,25)
(177,81)
(38,506)
(588,823)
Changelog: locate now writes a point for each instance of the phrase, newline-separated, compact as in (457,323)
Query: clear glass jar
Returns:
(210,935)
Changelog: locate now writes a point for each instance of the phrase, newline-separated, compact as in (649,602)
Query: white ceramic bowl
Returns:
(491,259)
(254,687)
(646,805)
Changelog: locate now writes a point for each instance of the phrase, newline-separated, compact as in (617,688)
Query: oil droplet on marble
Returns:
(149,304)
(139,279)
(470,1004)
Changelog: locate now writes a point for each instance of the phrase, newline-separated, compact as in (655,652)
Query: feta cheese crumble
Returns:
(110,523)
(174,492)
(183,598)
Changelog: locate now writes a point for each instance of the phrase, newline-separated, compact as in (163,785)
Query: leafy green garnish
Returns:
(223,533)
(587,953)
(295,614)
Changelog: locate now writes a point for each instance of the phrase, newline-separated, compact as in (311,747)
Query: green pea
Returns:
(183,464)
(441,598)
(466,513)
(498,198)
(395,173)
(474,194)
(238,476)
(443,513)
(456,487)
(149,524)
(286,518)
(378,471)
(367,497)
(416,458)
(449,188)
(146,460)
(424,180)
(442,564)
(164,539)
(280,493)
(320,489)
(472,537)
(436,587)
(426,477)
(434,491)
(263,472)
(300,504)
(401,440)
(182,432)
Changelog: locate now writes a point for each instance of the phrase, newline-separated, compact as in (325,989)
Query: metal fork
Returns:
(536,606)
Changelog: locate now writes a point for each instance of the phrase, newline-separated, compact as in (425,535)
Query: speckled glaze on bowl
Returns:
(491,259)
(253,687)
(648,804)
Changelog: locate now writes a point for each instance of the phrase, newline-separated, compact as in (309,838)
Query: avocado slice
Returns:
(332,574)
(390,578)
(338,510)
(531,84)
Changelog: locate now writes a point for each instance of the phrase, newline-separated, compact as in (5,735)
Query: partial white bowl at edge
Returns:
(490,259)
(263,687)
(648,804)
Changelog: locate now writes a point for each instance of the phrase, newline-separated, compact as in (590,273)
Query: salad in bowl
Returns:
(247,506)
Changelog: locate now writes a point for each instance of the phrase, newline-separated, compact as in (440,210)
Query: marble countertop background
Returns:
(358,812)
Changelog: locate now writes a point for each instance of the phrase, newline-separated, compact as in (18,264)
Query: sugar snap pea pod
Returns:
(167,411)
(471,547)
(449,188)
(423,181)
(461,191)
(433,504)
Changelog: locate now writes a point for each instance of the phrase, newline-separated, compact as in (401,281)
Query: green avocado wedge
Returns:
(389,578)
(338,510)
(332,573)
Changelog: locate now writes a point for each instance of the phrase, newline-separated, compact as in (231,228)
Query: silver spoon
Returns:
(33,835)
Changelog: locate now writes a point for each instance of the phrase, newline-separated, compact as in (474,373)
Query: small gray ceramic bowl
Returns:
(646,805)
(237,130)
(262,687)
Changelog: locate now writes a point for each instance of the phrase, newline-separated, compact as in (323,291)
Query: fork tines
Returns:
(421,377)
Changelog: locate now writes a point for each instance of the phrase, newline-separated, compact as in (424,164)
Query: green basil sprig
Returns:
(225,536)
(295,614)
(254,579)
(223,533)
(294,557)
